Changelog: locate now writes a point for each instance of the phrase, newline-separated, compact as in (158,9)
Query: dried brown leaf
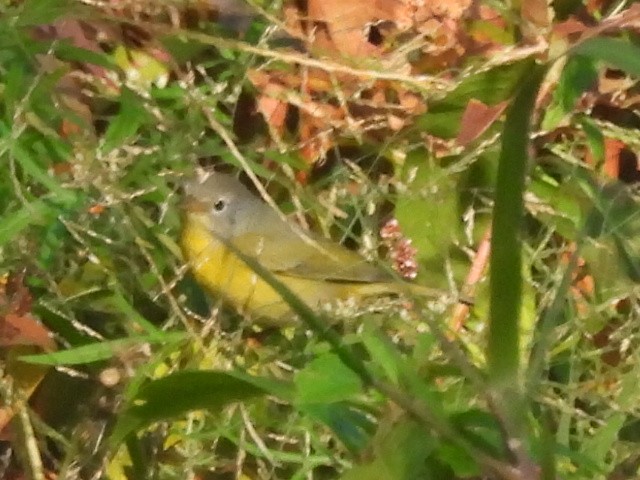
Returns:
(476,119)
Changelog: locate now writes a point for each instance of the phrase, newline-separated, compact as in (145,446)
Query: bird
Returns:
(221,217)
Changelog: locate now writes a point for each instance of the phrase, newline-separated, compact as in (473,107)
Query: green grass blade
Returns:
(621,54)
(13,223)
(97,351)
(506,263)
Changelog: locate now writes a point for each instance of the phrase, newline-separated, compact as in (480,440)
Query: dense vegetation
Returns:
(423,136)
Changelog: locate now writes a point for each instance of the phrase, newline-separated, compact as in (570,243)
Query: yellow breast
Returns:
(221,272)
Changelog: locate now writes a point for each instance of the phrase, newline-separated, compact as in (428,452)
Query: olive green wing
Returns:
(320,260)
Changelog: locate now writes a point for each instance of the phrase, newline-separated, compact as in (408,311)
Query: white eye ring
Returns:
(220,205)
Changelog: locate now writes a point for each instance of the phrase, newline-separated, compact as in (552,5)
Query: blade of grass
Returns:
(506,262)
(13,223)
(95,352)
(619,53)
(505,281)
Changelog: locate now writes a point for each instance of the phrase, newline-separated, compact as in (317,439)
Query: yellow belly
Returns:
(221,272)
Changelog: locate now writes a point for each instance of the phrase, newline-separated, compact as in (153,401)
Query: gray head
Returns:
(225,205)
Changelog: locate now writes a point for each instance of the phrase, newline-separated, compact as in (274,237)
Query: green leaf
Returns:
(27,161)
(618,53)
(52,241)
(186,391)
(14,87)
(428,211)
(12,224)
(481,429)
(561,206)
(458,460)
(629,388)
(326,380)
(38,12)
(125,125)
(595,138)
(630,431)
(383,354)
(350,425)
(121,304)
(614,219)
(578,75)
(598,447)
(400,453)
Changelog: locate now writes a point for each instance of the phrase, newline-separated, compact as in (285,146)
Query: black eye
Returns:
(219,205)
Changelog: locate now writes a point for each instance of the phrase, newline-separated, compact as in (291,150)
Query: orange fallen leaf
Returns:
(20,333)
(476,119)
